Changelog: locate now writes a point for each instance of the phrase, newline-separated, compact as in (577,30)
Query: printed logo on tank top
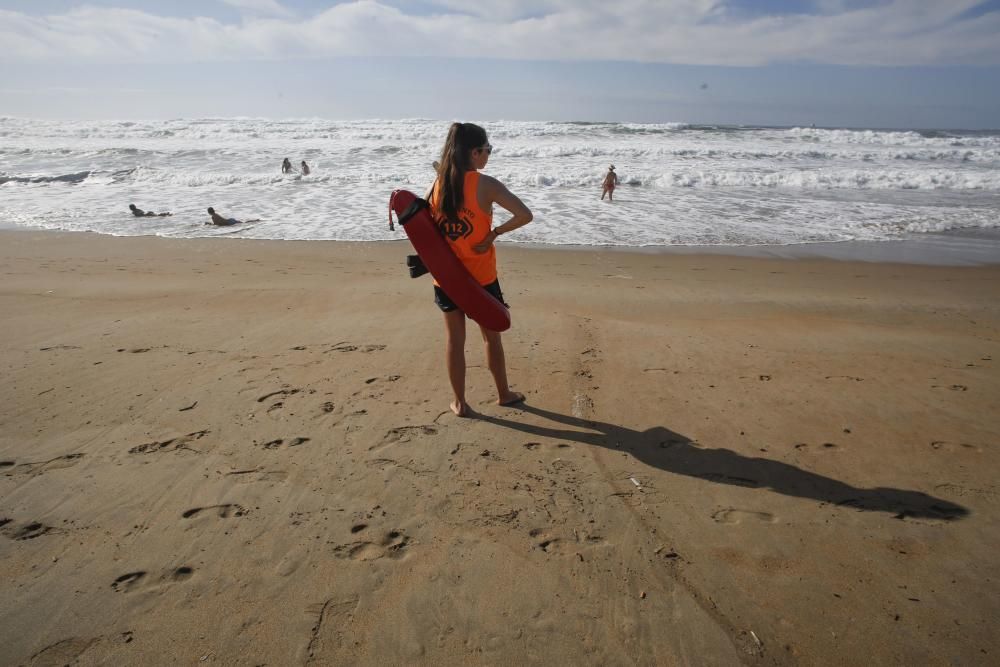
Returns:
(458,229)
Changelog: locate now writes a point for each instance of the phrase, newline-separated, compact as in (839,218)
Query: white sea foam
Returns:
(681,183)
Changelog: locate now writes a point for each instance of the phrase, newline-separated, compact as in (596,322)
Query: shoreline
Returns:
(230,452)
(964,247)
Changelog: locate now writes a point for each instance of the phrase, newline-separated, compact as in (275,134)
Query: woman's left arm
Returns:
(498,193)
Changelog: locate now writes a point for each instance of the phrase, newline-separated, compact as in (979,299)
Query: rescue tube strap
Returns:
(414,208)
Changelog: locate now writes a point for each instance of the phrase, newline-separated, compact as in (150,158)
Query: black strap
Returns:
(411,210)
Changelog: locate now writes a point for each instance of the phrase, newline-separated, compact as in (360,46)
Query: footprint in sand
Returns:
(384,464)
(283,443)
(331,629)
(582,407)
(532,446)
(276,409)
(962,491)
(255,475)
(23,531)
(347,347)
(126,582)
(733,516)
(173,444)
(39,467)
(65,651)
(221,511)
(392,545)
(387,378)
(826,445)
(402,434)
(551,544)
(280,392)
(133,580)
(955,447)
(283,395)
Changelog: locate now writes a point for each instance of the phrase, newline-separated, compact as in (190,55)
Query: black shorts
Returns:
(447,305)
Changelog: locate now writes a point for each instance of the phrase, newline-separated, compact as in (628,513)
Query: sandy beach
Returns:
(240,453)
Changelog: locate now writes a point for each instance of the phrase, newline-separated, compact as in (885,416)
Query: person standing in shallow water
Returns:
(286,166)
(461,202)
(305,168)
(610,181)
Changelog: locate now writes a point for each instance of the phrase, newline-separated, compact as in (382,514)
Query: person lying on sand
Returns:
(225,222)
(139,213)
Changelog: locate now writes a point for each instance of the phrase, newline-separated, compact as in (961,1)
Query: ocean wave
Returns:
(805,179)
(833,179)
(682,183)
(77,177)
(693,223)
(733,153)
(403,131)
(893,138)
(192,178)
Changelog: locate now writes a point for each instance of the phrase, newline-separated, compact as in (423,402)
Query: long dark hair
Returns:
(462,139)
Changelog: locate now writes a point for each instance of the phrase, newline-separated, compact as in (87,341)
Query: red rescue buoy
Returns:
(456,281)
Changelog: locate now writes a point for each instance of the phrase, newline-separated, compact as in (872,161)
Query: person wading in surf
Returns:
(461,202)
(610,181)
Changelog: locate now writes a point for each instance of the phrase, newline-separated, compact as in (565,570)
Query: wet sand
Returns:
(240,452)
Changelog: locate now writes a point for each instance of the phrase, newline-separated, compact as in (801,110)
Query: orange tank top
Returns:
(470,228)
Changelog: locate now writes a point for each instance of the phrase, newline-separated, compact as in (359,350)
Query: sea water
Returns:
(681,184)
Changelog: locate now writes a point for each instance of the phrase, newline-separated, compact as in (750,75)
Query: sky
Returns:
(833,63)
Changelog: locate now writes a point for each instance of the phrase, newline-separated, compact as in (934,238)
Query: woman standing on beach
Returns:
(461,202)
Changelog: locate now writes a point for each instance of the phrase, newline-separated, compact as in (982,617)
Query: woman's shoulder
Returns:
(488,182)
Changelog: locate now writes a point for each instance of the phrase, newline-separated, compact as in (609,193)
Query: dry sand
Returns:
(241,453)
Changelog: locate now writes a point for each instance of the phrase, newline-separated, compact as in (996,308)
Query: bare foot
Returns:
(460,408)
(510,398)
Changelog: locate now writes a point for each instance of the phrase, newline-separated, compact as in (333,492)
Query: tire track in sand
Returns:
(582,407)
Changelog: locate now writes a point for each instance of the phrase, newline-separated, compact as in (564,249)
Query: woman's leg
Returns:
(498,367)
(454,322)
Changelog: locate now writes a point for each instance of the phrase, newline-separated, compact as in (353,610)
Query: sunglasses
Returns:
(487,148)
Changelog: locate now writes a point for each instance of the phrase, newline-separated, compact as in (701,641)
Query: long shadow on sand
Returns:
(664,449)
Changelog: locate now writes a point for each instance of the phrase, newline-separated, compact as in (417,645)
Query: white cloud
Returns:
(900,32)
(261,7)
